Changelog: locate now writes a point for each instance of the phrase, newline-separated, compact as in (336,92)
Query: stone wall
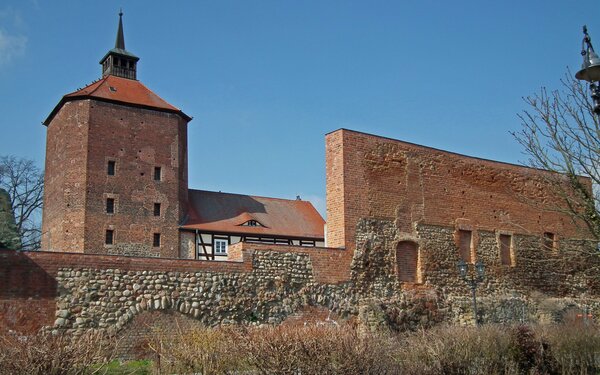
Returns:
(268,284)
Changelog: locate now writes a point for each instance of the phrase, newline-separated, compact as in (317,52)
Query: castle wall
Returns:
(375,177)
(273,284)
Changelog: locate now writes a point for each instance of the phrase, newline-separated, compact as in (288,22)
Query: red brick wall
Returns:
(65,179)
(371,176)
(92,133)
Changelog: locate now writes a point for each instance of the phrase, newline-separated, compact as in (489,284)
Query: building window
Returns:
(110,205)
(407,257)
(220,247)
(506,255)
(110,169)
(252,223)
(156,209)
(157,173)
(549,241)
(465,245)
(110,236)
(156,240)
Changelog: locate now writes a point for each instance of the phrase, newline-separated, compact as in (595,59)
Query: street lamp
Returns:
(590,69)
(472,279)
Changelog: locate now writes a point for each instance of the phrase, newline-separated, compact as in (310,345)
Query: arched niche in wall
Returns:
(407,260)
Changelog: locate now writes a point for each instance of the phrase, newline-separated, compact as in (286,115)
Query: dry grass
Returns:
(54,354)
(492,349)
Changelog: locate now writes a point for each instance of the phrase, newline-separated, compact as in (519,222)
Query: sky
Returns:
(266,80)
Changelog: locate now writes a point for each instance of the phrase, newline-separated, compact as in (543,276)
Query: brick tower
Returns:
(116,166)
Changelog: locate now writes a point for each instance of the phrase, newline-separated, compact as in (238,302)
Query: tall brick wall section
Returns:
(63,222)
(137,140)
(391,179)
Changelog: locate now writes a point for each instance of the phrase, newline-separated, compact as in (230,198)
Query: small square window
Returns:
(220,247)
(110,169)
(156,240)
(157,173)
(110,205)
(109,239)
(156,209)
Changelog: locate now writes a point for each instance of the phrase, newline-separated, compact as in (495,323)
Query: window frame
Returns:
(157,211)
(216,248)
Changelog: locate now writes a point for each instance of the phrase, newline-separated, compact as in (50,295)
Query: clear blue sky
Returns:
(265,80)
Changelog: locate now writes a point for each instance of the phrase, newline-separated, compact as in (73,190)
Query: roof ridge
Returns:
(100,82)
(253,196)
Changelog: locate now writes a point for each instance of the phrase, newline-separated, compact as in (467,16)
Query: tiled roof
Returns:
(119,90)
(226,213)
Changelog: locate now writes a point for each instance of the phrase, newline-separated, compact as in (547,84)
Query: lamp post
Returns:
(590,69)
(472,278)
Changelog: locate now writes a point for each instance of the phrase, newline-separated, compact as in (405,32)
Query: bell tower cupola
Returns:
(118,61)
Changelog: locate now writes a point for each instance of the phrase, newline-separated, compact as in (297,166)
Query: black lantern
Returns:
(590,69)
(472,279)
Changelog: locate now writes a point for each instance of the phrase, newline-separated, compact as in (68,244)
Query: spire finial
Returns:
(120,42)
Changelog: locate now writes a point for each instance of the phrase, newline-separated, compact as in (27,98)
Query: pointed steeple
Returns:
(120,42)
(118,61)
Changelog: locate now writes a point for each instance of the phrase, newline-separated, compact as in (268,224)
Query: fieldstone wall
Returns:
(541,285)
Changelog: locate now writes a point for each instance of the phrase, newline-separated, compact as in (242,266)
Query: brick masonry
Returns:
(82,138)
(376,177)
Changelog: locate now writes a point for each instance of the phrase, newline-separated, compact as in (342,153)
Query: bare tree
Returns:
(24,182)
(561,134)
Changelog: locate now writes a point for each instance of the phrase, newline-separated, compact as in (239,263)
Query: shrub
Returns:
(54,354)
(203,350)
(316,350)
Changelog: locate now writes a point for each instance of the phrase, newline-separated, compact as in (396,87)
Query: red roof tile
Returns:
(225,213)
(119,90)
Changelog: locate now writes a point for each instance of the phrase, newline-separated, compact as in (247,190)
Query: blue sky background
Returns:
(265,80)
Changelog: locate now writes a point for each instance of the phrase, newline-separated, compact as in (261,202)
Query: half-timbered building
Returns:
(218,220)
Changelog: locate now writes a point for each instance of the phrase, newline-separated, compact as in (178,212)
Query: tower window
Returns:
(110,170)
(110,205)
(156,209)
(157,173)
(156,240)
(109,239)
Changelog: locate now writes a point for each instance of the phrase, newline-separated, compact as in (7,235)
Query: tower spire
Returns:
(120,42)
(118,61)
